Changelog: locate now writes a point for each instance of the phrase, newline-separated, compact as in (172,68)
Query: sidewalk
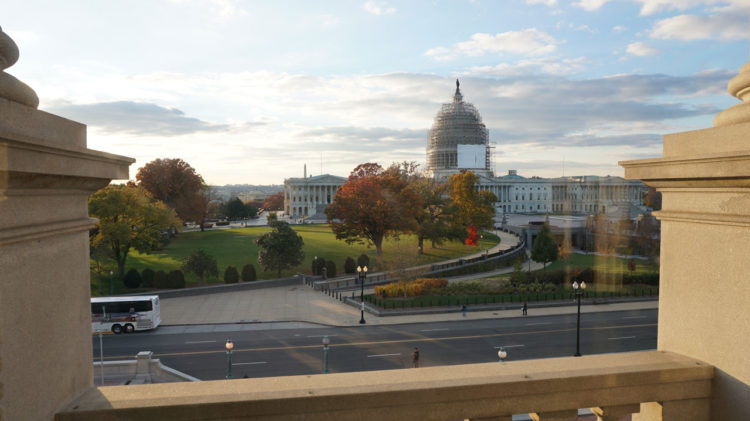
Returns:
(300,303)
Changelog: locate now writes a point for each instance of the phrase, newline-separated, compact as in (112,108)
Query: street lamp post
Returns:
(362,273)
(111,283)
(326,342)
(230,346)
(502,354)
(579,290)
(315,266)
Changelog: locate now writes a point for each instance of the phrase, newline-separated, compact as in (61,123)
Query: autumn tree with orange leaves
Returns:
(274,202)
(475,208)
(374,204)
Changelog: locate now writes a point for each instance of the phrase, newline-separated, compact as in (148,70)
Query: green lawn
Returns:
(605,264)
(237,247)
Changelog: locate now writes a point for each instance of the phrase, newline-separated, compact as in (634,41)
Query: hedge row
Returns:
(420,286)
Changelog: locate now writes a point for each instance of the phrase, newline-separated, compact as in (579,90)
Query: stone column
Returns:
(704,178)
(46,176)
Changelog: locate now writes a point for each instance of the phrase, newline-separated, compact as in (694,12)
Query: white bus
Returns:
(125,314)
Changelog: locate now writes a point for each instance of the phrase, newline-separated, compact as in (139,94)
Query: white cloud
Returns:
(591,5)
(552,65)
(549,3)
(527,42)
(640,49)
(619,28)
(729,25)
(378,8)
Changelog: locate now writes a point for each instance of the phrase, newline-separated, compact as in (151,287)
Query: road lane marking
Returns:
(392,341)
(622,337)
(431,330)
(320,336)
(634,317)
(509,346)
(537,324)
(383,355)
(199,342)
(252,363)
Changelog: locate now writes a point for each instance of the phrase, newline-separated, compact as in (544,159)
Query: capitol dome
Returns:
(458,139)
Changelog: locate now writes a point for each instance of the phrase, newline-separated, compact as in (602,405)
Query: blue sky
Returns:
(248,92)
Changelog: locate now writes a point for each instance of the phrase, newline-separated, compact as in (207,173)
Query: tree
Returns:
(236,209)
(132,279)
(350,266)
(248,273)
(201,264)
(544,249)
(129,218)
(331,269)
(272,217)
(363,260)
(176,183)
(281,248)
(436,213)
(652,199)
(318,264)
(231,276)
(147,276)
(473,207)
(274,202)
(372,205)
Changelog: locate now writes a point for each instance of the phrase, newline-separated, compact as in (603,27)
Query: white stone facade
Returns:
(308,197)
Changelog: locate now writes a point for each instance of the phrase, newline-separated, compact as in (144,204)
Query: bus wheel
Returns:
(117,329)
(129,328)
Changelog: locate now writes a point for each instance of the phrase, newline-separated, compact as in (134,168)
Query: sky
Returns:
(248,92)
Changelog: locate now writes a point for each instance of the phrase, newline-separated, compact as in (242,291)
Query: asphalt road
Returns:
(284,352)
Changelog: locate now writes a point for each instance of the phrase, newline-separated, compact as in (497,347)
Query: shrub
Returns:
(363,260)
(317,266)
(132,279)
(248,273)
(231,276)
(176,279)
(350,266)
(331,268)
(201,264)
(420,286)
(147,278)
(161,280)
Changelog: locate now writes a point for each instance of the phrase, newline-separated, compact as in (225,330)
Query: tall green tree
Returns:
(129,218)
(281,248)
(236,209)
(201,263)
(434,219)
(544,249)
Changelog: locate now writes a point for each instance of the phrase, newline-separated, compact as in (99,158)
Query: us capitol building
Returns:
(458,141)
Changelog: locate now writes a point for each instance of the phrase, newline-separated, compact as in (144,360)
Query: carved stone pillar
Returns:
(704,177)
(46,176)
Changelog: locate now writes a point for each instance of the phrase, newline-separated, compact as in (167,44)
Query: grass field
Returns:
(237,247)
(605,264)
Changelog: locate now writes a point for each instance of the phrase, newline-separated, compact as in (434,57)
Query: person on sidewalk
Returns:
(525,308)
(415,357)
(463,310)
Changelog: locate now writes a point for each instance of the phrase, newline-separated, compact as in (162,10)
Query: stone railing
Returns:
(656,385)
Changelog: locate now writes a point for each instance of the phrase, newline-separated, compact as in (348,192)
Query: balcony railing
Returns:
(661,385)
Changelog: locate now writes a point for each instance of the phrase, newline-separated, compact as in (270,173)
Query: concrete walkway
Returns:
(300,303)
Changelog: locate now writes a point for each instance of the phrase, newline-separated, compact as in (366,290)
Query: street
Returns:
(261,352)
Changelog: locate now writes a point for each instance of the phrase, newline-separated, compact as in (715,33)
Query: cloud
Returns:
(526,42)
(591,5)
(619,28)
(551,65)
(378,8)
(135,118)
(549,3)
(728,25)
(640,49)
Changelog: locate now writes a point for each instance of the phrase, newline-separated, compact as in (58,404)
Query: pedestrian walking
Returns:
(415,357)
(463,310)
(525,308)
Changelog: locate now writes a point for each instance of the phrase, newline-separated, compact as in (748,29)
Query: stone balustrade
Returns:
(656,385)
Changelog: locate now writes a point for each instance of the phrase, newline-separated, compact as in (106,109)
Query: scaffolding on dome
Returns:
(457,123)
